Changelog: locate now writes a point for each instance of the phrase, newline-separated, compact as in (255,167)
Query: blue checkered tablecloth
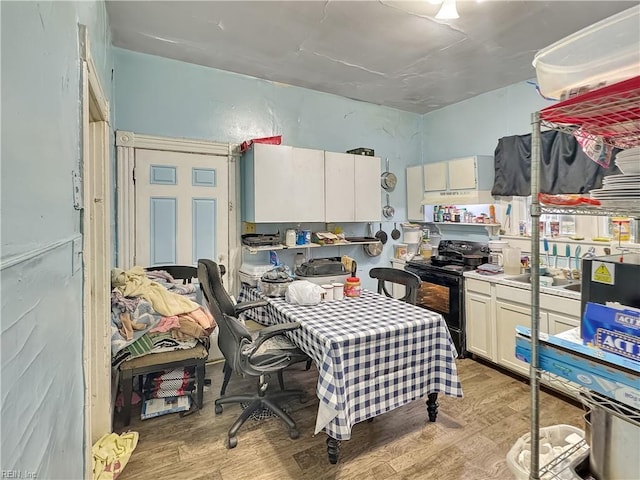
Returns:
(374,354)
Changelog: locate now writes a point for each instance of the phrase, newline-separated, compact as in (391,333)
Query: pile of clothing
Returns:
(151,313)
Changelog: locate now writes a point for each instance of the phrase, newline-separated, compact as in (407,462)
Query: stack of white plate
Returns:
(622,191)
(628,161)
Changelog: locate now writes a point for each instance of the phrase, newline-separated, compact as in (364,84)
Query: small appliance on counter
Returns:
(274,282)
(612,278)
(261,239)
(322,271)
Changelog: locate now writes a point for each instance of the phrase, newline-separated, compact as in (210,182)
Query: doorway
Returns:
(96,253)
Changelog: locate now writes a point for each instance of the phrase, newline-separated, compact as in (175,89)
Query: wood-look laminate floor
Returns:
(470,439)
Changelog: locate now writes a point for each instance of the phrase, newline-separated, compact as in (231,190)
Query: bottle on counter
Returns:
(352,287)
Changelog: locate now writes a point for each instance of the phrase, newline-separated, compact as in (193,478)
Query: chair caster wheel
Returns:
(232,442)
(218,409)
(293,434)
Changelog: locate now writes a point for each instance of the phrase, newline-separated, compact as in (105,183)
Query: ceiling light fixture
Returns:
(448,11)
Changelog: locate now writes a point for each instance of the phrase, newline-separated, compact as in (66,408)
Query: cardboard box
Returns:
(615,330)
(596,370)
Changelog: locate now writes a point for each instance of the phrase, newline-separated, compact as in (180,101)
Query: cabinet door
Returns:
(339,177)
(561,323)
(479,325)
(288,184)
(368,202)
(435,176)
(462,173)
(508,316)
(415,193)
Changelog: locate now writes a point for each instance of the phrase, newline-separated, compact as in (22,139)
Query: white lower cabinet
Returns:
(493,311)
(480,319)
(508,316)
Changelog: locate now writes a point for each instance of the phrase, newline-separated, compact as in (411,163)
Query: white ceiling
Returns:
(383,52)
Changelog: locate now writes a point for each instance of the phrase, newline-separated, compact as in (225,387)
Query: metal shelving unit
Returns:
(611,117)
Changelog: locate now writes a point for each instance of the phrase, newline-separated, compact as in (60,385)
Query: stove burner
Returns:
(455,268)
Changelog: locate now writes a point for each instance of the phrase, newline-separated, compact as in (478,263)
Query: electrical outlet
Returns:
(249,227)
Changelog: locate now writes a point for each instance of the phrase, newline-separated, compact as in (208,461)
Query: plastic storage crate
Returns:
(603,53)
(566,445)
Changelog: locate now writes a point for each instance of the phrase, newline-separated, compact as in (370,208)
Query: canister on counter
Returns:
(352,287)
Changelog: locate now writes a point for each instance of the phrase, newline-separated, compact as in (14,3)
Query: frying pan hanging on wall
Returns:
(388,180)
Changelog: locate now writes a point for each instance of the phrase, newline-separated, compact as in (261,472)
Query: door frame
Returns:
(96,252)
(126,144)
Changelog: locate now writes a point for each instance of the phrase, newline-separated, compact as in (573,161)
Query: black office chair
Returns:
(269,352)
(410,281)
(214,291)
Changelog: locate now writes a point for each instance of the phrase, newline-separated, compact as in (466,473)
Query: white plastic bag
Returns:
(303,292)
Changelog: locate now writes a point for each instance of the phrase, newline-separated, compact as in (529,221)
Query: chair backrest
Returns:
(186,273)
(410,281)
(232,334)
(214,289)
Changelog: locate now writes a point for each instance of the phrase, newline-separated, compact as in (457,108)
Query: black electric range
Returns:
(442,286)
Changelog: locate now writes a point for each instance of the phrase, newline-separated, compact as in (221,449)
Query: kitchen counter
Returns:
(502,279)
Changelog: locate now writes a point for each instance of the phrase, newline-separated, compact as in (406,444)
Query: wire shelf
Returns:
(609,115)
(555,469)
(592,399)
(595,210)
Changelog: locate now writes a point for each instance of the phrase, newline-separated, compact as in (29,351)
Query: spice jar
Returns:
(352,287)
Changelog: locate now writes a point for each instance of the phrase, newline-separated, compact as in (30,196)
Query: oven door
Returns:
(443,293)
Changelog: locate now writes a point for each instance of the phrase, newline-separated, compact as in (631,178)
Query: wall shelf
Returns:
(491,228)
(263,248)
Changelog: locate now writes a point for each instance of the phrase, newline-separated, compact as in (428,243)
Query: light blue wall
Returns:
(159,96)
(41,318)
(473,127)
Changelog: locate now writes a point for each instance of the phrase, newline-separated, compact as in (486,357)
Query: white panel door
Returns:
(340,181)
(182,208)
(368,203)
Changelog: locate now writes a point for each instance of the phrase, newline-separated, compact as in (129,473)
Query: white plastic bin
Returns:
(556,437)
(603,53)
(251,273)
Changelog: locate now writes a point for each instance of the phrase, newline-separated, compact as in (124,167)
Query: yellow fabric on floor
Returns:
(135,283)
(111,453)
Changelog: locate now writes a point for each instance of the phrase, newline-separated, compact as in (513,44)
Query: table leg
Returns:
(432,406)
(333,450)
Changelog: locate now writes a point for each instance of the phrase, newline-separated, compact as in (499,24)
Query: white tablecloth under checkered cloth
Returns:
(374,354)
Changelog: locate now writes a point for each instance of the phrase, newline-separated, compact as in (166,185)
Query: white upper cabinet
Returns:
(414,193)
(435,176)
(282,184)
(367,188)
(339,178)
(462,174)
(467,173)
(352,187)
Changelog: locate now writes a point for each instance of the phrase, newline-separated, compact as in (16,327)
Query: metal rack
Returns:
(611,117)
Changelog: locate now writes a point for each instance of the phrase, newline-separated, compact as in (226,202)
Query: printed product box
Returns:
(608,374)
(611,329)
